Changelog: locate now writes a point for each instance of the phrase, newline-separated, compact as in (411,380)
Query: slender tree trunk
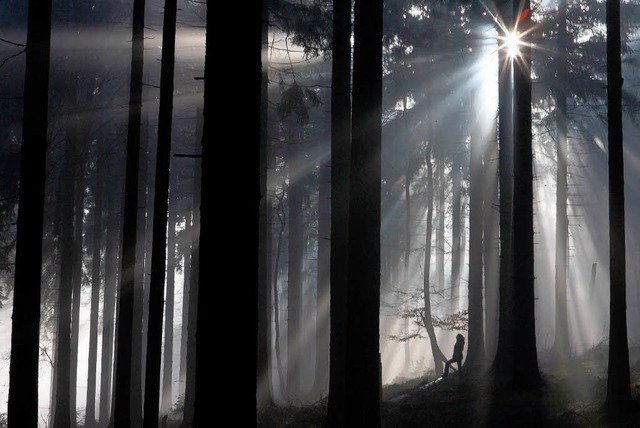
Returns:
(166,401)
(25,328)
(407,244)
(62,417)
(264,396)
(294,282)
(456,219)
(185,249)
(138,291)
(340,159)
(503,362)
(526,372)
(363,303)
(475,350)
(491,228)
(108,312)
(440,231)
(618,380)
(122,402)
(96,258)
(276,294)
(160,213)
(561,346)
(438,356)
(190,377)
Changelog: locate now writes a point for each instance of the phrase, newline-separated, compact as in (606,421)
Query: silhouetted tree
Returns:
(25,330)
(618,383)
(363,300)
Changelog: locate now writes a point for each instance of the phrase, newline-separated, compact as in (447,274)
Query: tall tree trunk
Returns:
(138,291)
(618,381)
(561,346)
(363,302)
(264,395)
(321,382)
(122,402)
(185,248)
(526,372)
(108,312)
(96,258)
(340,159)
(475,350)
(160,213)
(438,356)
(491,242)
(294,281)
(77,256)
(407,243)
(190,377)
(456,219)
(276,294)
(25,328)
(503,362)
(62,417)
(248,202)
(441,221)
(166,401)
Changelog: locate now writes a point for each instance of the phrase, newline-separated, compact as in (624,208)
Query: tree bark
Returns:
(503,362)
(25,328)
(618,379)
(363,302)
(438,356)
(122,402)
(340,159)
(561,347)
(456,219)
(441,221)
(160,212)
(526,373)
(475,350)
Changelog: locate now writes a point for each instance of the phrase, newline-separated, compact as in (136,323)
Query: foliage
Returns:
(297,100)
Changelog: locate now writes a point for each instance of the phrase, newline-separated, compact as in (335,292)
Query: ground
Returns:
(571,396)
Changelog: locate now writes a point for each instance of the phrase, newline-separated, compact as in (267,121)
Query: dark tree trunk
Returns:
(503,362)
(438,356)
(491,245)
(276,294)
(264,388)
(441,220)
(340,158)
(321,381)
(25,328)
(166,401)
(160,213)
(62,416)
(456,226)
(122,402)
(618,381)
(190,376)
(138,291)
(294,270)
(96,258)
(561,346)
(407,242)
(363,302)
(525,372)
(475,350)
(108,312)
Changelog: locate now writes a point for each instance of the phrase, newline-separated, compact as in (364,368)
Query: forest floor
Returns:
(570,396)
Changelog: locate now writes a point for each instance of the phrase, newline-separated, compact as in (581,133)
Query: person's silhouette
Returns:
(457,356)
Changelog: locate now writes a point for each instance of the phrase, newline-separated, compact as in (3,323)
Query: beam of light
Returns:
(512,44)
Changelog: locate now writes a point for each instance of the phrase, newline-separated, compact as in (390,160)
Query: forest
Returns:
(440,173)
(409,212)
